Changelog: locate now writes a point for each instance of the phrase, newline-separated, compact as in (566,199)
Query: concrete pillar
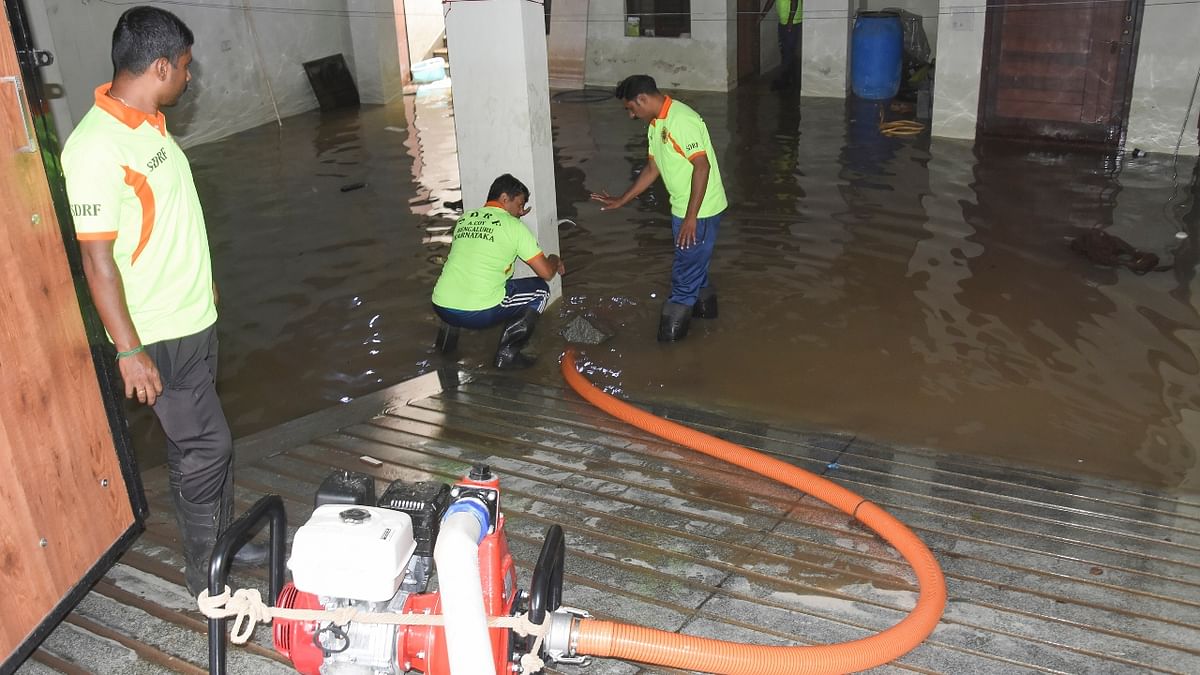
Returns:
(824,59)
(959,64)
(568,43)
(376,52)
(502,107)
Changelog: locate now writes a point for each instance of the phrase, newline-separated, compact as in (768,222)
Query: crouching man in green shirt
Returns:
(476,288)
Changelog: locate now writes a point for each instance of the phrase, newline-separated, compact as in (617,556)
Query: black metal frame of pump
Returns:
(239,532)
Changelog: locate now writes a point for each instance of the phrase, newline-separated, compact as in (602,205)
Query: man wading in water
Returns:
(682,153)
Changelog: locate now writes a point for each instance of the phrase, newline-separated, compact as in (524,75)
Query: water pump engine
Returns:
(377,556)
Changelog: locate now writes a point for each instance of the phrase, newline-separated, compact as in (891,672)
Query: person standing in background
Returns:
(791,13)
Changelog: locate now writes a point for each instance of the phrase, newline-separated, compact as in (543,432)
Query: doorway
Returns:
(749,59)
(1060,72)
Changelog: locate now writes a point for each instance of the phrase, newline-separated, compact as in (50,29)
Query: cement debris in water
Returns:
(585,330)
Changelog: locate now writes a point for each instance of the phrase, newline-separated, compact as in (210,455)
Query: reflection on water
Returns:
(905,290)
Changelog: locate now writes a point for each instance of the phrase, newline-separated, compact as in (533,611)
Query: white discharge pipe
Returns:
(457,558)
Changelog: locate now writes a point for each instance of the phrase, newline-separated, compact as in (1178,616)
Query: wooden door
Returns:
(749,59)
(1060,71)
(71,501)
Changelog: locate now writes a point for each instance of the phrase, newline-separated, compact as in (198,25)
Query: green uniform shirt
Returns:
(785,9)
(675,139)
(128,181)
(486,242)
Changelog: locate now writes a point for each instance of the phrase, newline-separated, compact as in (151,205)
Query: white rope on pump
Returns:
(247,609)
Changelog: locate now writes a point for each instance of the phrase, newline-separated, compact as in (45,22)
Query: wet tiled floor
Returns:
(1046,572)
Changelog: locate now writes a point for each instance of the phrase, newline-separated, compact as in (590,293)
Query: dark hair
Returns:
(634,85)
(146,34)
(507,185)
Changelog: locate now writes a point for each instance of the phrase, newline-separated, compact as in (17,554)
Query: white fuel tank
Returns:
(355,552)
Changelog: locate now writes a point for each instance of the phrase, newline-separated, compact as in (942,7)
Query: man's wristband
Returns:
(131,352)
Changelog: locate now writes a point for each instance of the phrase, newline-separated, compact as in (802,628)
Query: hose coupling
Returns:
(562,639)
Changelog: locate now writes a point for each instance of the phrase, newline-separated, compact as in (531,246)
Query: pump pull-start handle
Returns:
(545,591)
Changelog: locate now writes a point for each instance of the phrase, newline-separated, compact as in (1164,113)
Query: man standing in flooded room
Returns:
(790,12)
(476,288)
(145,252)
(681,151)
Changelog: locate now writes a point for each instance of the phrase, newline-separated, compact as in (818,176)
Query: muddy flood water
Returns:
(905,290)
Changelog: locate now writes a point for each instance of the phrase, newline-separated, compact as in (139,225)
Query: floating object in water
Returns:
(353,186)
(1106,249)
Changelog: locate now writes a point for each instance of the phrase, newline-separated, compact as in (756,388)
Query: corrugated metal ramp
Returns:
(1046,573)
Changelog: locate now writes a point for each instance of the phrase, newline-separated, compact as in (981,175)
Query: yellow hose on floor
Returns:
(648,645)
(899,128)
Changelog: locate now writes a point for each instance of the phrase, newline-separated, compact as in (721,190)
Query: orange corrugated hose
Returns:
(647,645)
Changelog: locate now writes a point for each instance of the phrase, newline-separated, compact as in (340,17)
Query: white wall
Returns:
(567,45)
(426,24)
(52,78)
(228,91)
(698,63)
(960,62)
(376,63)
(1167,62)
(825,51)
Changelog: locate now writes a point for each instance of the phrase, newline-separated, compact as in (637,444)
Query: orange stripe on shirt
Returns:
(697,154)
(676,145)
(145,196)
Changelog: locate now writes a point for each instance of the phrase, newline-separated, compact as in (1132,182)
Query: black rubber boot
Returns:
(251,554)
(706,305)
(198,531)
(673,324)
(515,336)
(447,338)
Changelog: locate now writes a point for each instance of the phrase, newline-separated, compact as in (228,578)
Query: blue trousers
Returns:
(789,39)
(519,294)
(689,271)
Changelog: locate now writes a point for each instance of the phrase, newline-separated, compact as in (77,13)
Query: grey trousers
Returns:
(199,443)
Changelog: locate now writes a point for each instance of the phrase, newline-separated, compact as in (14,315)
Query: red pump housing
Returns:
(424,647)
(421,648)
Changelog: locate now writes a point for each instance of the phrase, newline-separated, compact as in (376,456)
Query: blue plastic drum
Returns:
(876,54)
